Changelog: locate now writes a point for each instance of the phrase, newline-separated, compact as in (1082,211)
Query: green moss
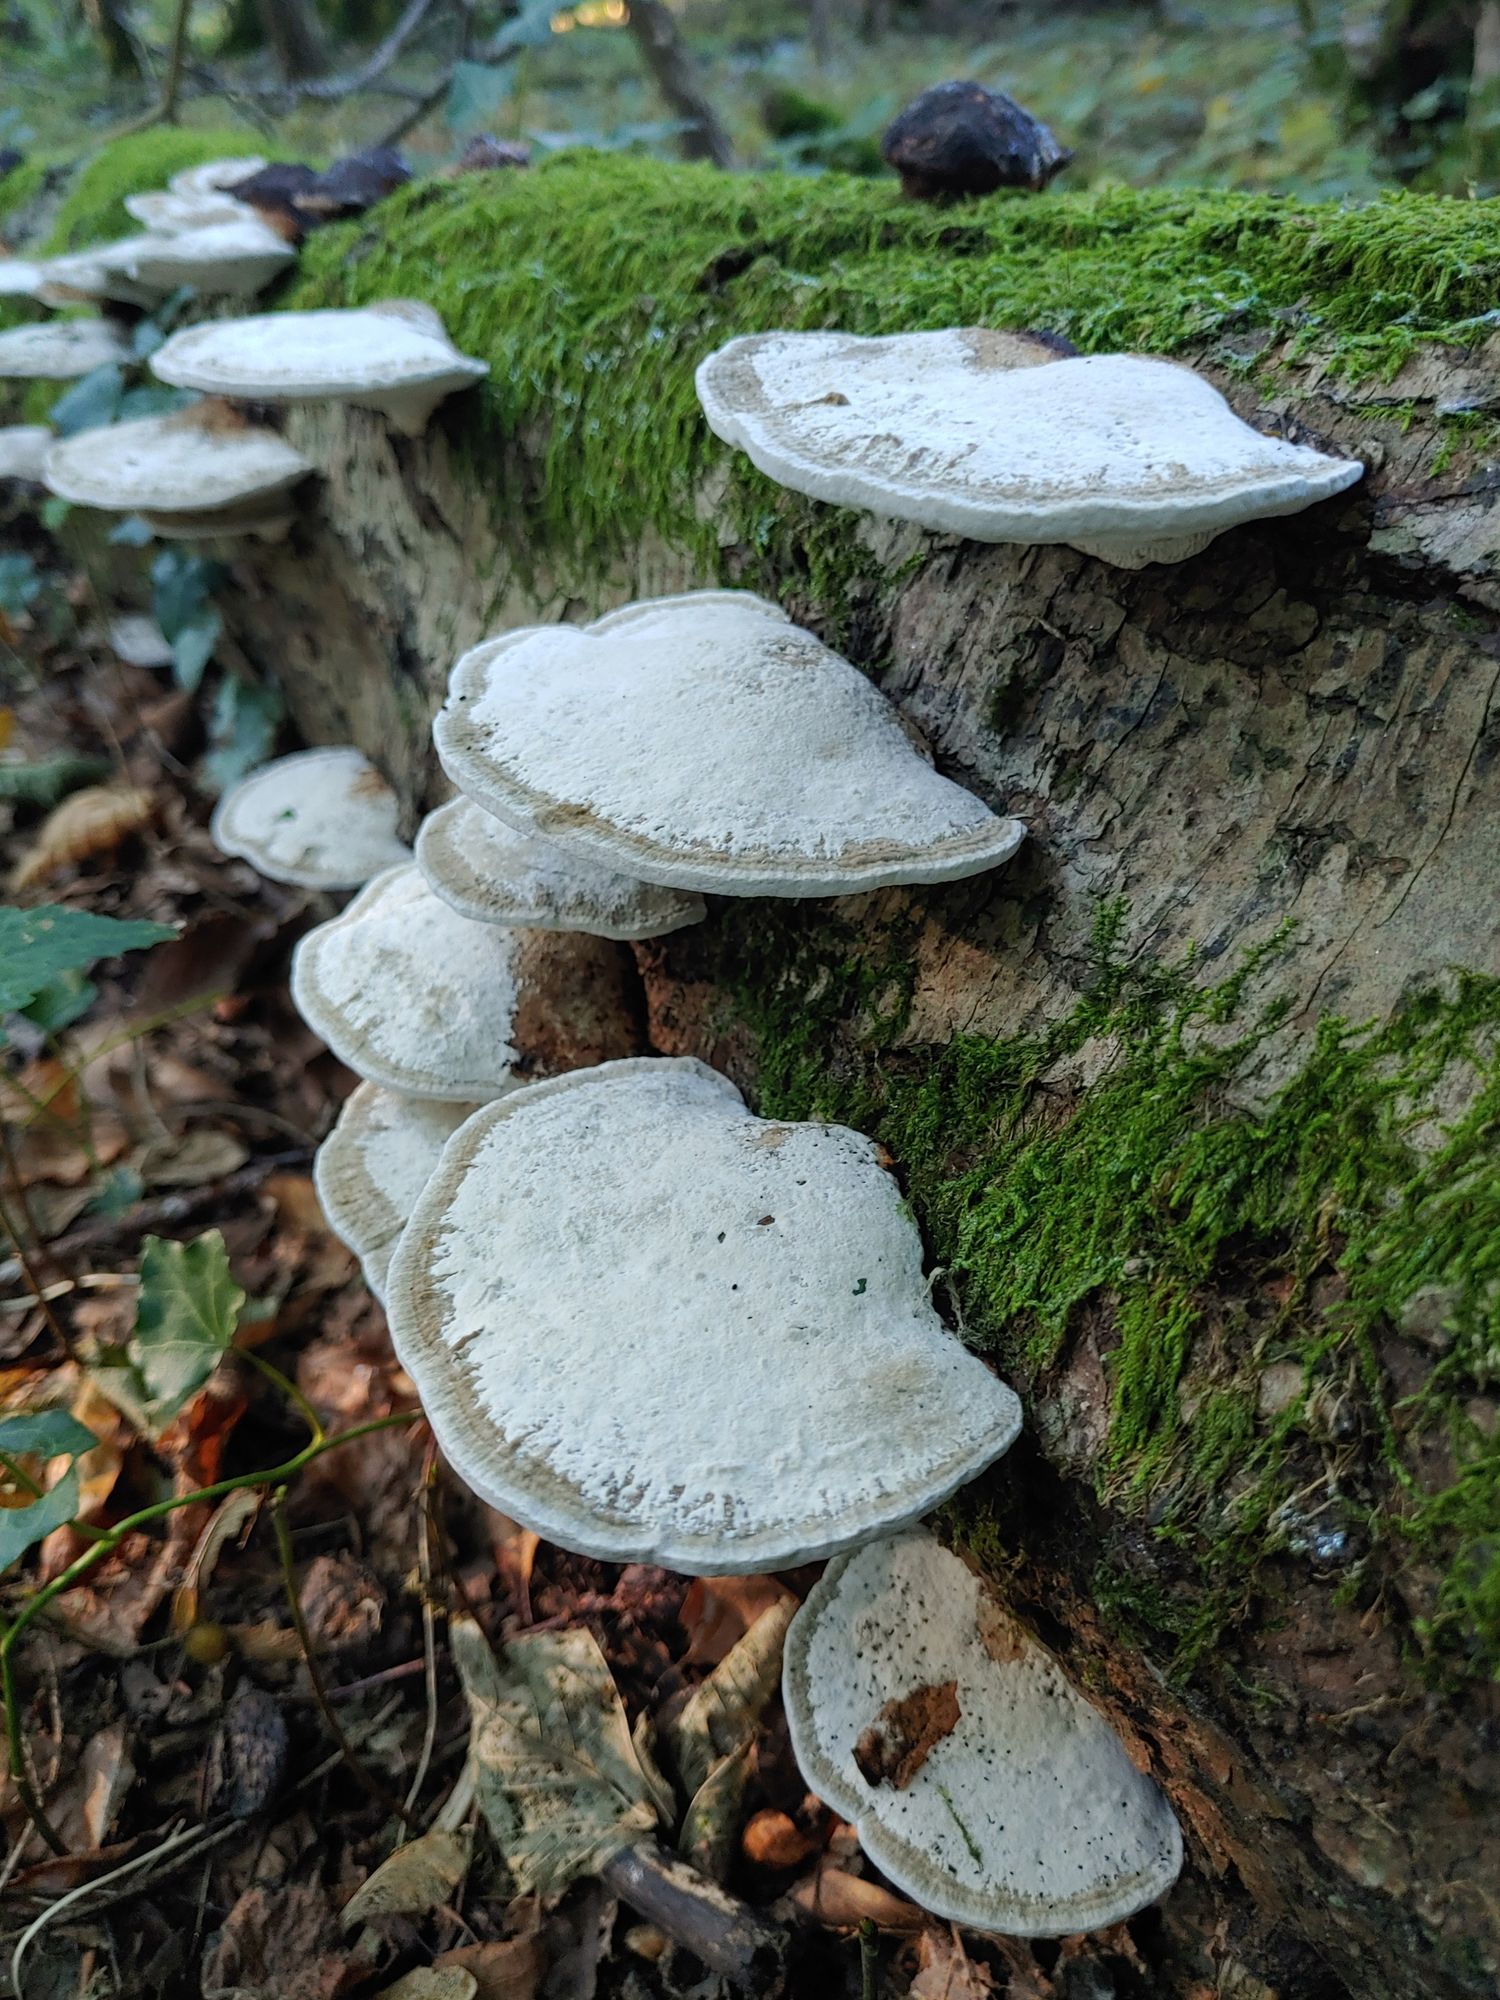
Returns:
(93,209)
(23,185)
(594,284)
(1215,1241)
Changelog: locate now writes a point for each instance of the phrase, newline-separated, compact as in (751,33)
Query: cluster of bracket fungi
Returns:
(644,1322)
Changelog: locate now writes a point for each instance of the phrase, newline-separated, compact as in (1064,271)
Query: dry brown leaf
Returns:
(841,1901)
(905,1733)
(422,1875)
(507,1970)
(343,1603)
(86,1807)
(297,1204)
(201,1155)
(945,1970)
(718,1611)
(774,1840)
(427,1983)
(277,1942)
(232,1514)
(93,821)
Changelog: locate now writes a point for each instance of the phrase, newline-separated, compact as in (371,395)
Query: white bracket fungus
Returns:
(166,214)
(655,1328)
(979,1779)
(202,462)
(412,995)
(213,176)
(373,1165)
(19,277)
(234,259)
(706,742)
(981,434)
(23,447)
(491,872)
(394,357)
(58,350)
(320,819)
(101,273)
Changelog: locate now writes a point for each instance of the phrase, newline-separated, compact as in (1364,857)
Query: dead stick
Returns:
(729,1937)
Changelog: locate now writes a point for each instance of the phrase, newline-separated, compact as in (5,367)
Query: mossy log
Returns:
(1196,1102)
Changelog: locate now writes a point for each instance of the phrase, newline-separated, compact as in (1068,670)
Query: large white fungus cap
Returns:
(57,350)
(1027,1816)
(19,277)
(168,214)
(655,1328)
(23,447)
(412,995)
(373,1165)
(234,258)
(706,742)
(1127,458)
(103,271)
(319,819)
(213,176)
(497,875)
(198,461)
(395,358)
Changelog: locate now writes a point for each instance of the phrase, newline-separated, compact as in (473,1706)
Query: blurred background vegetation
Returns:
(1324,98)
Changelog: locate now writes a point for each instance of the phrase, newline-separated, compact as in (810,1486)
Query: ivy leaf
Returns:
(193,647)
(41,1434)
(185,1318)
(38,946)
(242,731)
(92,401)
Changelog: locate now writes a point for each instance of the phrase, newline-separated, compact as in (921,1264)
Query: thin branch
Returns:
(656,32)
(164,111)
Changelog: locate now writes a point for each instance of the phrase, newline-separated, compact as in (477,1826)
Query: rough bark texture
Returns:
(1254,1245)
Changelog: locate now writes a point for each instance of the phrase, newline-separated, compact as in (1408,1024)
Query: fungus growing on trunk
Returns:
(959,138)
(100,273)
(58,350)
(411,995)
(22,450)
(980,1780)
(394,358)
(991,436)
(163,213)
(319,819)
(19,277)
(706,742)
(373,1165)
(230,259)
(656,1328)
(491,872)
(204,468)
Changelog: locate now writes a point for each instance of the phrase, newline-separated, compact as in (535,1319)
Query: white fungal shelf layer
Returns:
(172,463)
(655,1327)
(1028,1817)
(373,1165)
(320,819)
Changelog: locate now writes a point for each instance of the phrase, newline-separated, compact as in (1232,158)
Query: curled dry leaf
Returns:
(774,1840)
(93,821)
(946,1972)
(718,1611)
(712,1739)
(905,1733)
(505,1969)
(421,1875)
(841,1901)
(234,1512)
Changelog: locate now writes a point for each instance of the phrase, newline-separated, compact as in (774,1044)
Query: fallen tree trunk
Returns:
(1196,1101)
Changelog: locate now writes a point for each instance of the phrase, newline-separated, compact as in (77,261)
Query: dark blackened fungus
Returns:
(961,139)
(485,153)
(297,197)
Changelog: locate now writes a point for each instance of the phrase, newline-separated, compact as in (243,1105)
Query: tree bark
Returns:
(679,82)
(1299,725)
(294,38)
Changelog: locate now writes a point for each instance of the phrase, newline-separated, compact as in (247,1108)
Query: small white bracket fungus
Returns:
(1027,1816)
(23,447)
(235,259)
(58,350)
(19,277)
(655,1328)
(395,358)
(975,433)
(166,214)
(101,273)
(706,742)
(202,461)
(319,819)
(213,176)
(412,995)
(497,875)
(373,1165)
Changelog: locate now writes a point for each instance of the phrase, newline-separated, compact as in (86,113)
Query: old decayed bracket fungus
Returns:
(58,350)
(203,465)
(319,819)
(706,742)
(412,995)
(23,447)
(990,436)
(980,1781)
(213,176)
(498,875)
(961,139)
(656,1328)
(373,1165)
(232,259)
(395,358)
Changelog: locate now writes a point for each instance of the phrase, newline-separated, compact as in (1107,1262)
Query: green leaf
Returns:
(50,778)
(193,646)
(556,1774)
(36,946)
(185,1317)
(242,731)
(55,511)
(475,93)
(61,1002)
(20,584)
(45,1434)
(41,1434)
(92,401)
(21,1527)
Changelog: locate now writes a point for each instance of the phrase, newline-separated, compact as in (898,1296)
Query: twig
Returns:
(429,1636)
(656,32)
(726,1934)
(164,111)
(368,1782)
(869,1958)
(23,1268)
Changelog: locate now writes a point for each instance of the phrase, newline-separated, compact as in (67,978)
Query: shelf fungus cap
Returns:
(213,176)
(58,350)
(235,258)
(19,277)
(498,875)
(988,435)
(205,460)
(655,1328)
(23,447)
(412,995)
(706,742)
(319,819)
(101,273)
(373,1165)
(980,1781)
(394,357)
(166,214)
